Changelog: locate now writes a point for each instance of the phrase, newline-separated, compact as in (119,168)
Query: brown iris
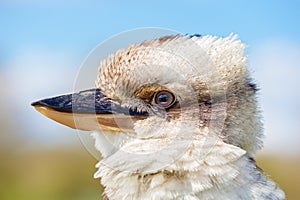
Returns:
(164,99)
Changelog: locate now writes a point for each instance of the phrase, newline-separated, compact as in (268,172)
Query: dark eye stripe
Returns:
(164,99)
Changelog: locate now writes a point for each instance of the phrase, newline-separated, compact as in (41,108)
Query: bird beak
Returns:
(89,110)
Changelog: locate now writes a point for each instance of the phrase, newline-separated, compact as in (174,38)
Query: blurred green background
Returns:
(42,46)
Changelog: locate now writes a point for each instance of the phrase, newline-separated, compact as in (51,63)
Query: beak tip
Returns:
(36,103)
(40,103)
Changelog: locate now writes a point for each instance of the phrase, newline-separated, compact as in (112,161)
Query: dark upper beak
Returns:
(89,110)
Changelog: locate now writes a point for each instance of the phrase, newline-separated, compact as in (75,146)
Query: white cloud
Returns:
(31,75)
(277,70)
(38,73)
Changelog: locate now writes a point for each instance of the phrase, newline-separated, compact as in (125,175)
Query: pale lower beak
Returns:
(89,110)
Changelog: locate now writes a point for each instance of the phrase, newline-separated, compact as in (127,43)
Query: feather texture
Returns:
(206,151)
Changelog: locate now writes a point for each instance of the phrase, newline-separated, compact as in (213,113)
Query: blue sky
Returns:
(43,41)
(78,26)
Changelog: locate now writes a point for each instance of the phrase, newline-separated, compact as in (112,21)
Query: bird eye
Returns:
(164,99)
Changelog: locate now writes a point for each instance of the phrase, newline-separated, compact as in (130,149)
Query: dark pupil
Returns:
(163,98)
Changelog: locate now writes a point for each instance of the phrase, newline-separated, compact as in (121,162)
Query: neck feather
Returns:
(223,172)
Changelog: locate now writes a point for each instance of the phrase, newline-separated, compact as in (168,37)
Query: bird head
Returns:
(165,94)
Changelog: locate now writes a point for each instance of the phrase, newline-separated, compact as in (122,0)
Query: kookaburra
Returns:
(174,118)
